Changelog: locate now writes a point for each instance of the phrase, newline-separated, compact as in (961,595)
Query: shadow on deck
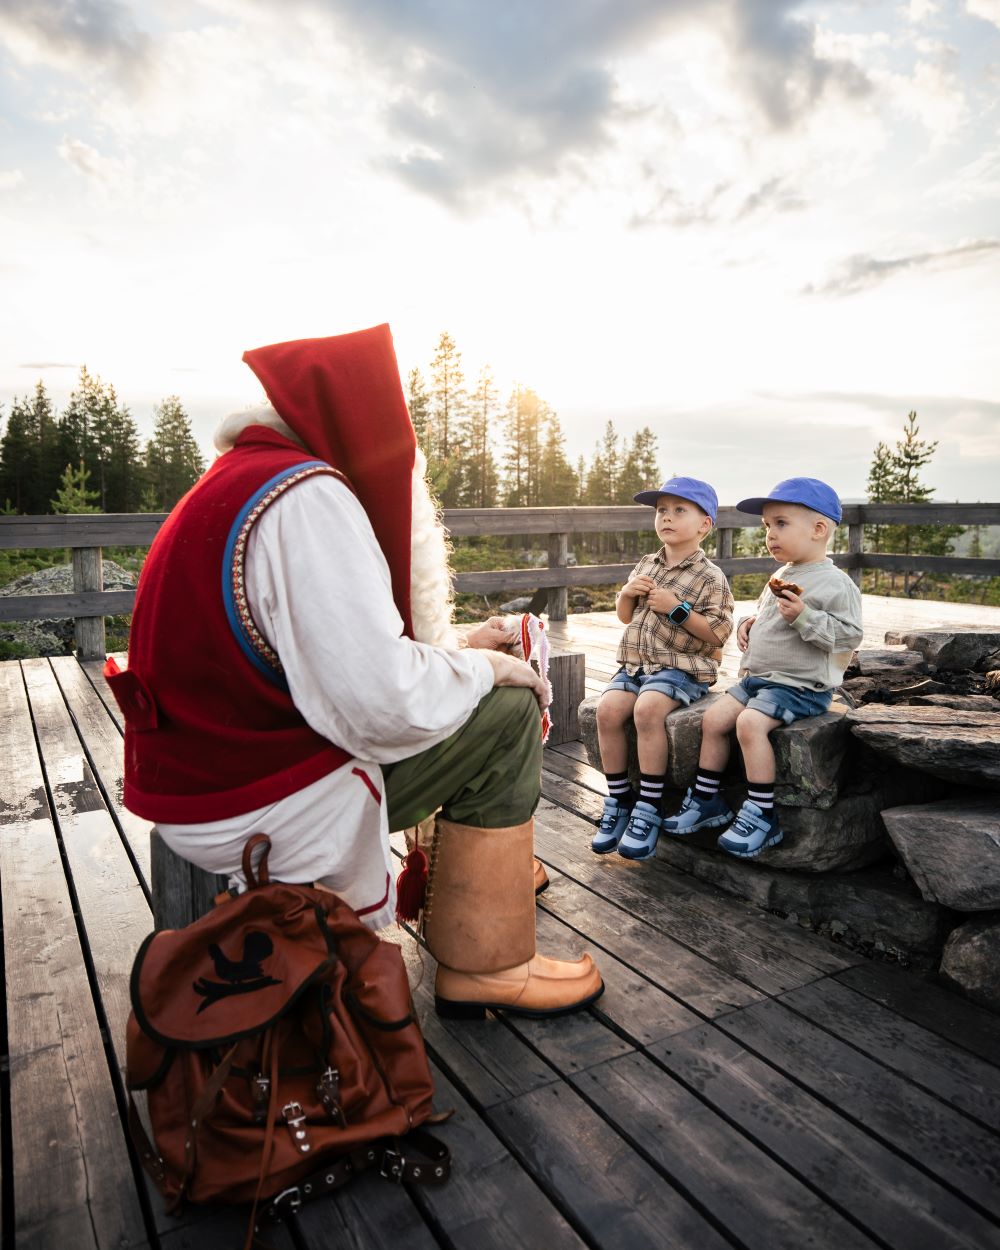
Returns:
(742,1083)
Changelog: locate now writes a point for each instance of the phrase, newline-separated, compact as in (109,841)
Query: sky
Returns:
(766,229)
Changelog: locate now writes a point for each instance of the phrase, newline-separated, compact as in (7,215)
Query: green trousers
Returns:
(487,774)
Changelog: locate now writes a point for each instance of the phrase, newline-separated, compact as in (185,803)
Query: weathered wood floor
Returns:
(742,1083)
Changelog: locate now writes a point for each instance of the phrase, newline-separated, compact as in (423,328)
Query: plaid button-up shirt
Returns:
(651,642)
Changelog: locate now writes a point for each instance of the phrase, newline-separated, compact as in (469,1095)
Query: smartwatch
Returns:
(679,614)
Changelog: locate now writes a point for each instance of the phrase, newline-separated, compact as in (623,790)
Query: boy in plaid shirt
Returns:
(678,611)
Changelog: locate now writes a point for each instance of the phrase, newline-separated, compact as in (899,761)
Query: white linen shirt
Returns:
(319,590)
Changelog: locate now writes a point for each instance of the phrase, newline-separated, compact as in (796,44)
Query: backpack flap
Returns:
(234,971)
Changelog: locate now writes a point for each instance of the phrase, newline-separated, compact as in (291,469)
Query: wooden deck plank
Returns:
(758,1201)
(489,1061)
(491,1202)
(619,1198)
(104,747)
(953,1075)
(114,911)
(697,983)
(662,880)
(901,1205)
(71,1167)
(938,1009)
(630,1004)
(939,1139)
(735,937)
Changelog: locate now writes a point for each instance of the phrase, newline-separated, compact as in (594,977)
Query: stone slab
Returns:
(871,911)
(952,650)
(811,755)
(843,838)
(964,702)
(951,849)
(971,960)
(946,742)
(878,660)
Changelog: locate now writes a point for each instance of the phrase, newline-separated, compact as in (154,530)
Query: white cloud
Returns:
(860,272)
(988,10)
(10,178)
(88,161)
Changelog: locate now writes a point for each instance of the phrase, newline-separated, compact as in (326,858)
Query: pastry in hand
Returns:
(778,587)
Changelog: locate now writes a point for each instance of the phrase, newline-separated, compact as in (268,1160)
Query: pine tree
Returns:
(559,484)
(894,477)
(73,494)
(479,484)
(640,467)
(881,489)
(447,407)
(18,469)
(418,402)
(98,432)
(173,461)
(604,475)
(527,416)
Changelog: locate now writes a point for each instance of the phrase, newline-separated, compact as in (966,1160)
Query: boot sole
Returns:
(772,841)
(449,1010)
(713,822)
(605,850)
(542,888)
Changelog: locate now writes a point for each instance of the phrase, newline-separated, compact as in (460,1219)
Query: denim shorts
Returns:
(784,703)
(672,682)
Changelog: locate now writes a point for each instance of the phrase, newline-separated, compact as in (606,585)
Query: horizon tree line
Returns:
(91,456)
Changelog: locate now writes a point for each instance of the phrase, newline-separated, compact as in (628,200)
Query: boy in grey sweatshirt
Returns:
(795,650)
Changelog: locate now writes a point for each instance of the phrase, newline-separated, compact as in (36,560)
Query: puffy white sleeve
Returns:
(319,589)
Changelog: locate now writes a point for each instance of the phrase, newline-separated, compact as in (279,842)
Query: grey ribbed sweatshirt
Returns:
(812,652)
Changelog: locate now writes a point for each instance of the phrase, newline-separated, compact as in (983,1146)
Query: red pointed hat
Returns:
(343,397)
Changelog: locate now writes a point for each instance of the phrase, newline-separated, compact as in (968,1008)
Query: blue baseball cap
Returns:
(810,492)
(688,488)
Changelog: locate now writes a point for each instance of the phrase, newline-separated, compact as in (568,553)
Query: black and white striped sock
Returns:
(651,788)
(707,783)
(619,787)
(761,793)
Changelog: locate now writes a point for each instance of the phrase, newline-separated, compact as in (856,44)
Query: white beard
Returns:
(431,594)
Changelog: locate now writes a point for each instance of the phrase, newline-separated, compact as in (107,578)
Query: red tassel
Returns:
(411,886)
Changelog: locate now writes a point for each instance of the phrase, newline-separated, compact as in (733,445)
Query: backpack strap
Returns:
(392,1156)
(262,876)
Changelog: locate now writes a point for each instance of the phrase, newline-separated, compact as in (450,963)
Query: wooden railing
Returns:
(86,534)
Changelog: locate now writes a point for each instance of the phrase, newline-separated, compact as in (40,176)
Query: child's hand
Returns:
(743,633)
(661,600)
(638,586)
(790,605)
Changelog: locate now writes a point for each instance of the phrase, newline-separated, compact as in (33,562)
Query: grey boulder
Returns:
(952,743)
(971,960)
(952,850)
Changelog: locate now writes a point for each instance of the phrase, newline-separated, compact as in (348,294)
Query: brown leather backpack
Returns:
(277,1044)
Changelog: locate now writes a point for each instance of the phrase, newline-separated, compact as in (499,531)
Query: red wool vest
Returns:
(210,727)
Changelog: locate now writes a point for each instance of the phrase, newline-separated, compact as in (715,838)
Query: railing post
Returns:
(724,549)
(855,547)
(88,631)
(558,595)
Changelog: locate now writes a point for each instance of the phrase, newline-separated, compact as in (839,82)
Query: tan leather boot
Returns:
(422,835)
(479,924)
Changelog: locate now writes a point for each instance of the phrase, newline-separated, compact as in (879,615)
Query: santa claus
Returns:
(293,670)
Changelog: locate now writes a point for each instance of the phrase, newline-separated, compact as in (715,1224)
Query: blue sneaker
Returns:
(639,839)
(751,832)
(611,826)
(698,813)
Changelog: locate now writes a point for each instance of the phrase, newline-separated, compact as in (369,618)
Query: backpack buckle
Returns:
(291,1197)
(295,1118)
(392,1165)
